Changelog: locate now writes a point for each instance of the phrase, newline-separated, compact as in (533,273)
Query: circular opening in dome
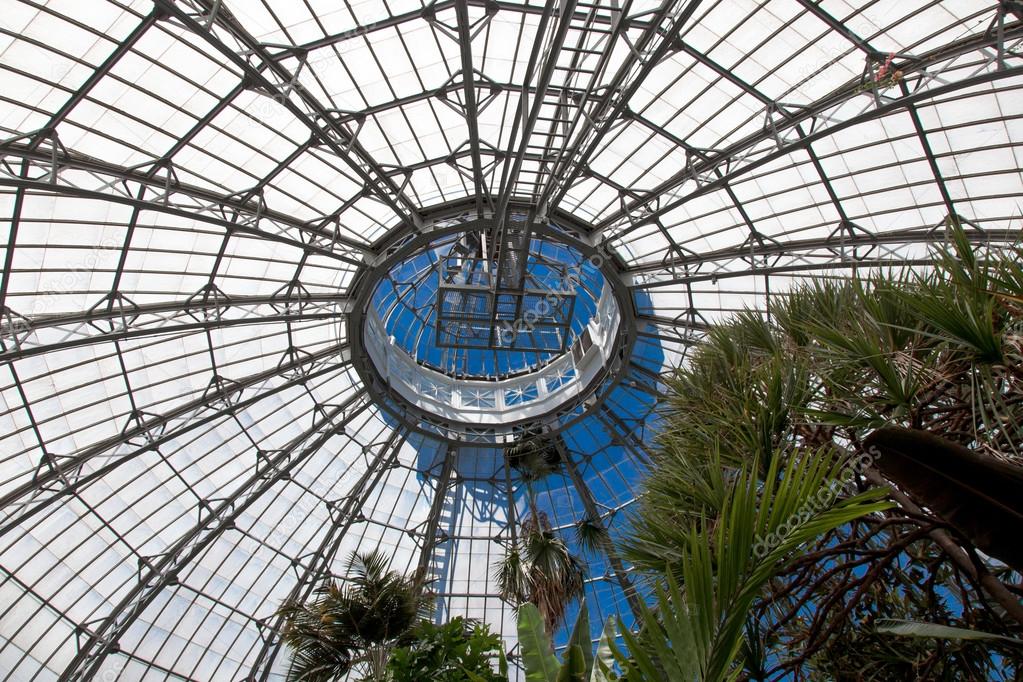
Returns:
(460,309)
(471,329)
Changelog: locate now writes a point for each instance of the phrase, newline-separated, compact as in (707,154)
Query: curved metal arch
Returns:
(103,638)
(235,216)
(334,136)
(106,324)
(344,515)
(841,246)
(316,237)
(60,476)
(649,207)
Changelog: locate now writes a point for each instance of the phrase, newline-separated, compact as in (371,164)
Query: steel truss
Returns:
(50,172)
(344,513)
(262,71)
(594,516)
(59,476)
(838,250)
(101,638)
(432,535)
(927,77)
(120,318)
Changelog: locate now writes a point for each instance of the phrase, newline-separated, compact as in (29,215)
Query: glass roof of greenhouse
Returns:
(218,213)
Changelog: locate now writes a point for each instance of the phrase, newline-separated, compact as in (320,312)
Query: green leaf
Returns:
(539,660)
(908,628)
(461,649)
(473,677)
(601,671)
(502,664)
(574,667)
(581,637)
(640,665)
(698,634)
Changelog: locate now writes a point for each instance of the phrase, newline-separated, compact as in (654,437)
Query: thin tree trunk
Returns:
(531,496)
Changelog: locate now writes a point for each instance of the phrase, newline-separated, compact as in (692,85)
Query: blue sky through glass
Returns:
(406,303)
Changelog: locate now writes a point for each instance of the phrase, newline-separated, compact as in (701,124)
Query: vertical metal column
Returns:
(590,505)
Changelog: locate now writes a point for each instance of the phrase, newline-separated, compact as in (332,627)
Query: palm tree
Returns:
(352,624)
(539,568)
(534,458)
(885,377)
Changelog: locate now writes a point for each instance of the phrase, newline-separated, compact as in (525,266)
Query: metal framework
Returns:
(344,513)
(482,303)
(202,198)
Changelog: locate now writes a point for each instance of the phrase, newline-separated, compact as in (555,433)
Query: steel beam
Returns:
(202,204)
(839,27)
(336,138)
(447,88)
(437,7)
(594,517)
(921,134)
(693,268)
(430,540)
(104,324)
(626,439)
(650,207)
(149,665)
(165,571)
(673,323)
(58,477)
(642,58)
(201,125)
(568,113)
(343,517)
(465,36)
(527,115)
(12,236)
(98,74)
(726,73)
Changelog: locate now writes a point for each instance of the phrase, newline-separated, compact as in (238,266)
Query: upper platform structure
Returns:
(521,298)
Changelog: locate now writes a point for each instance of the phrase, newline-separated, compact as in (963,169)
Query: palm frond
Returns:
(512,578)
(907,628)
(350,623)
(698,634)
(591,534)
(541,570)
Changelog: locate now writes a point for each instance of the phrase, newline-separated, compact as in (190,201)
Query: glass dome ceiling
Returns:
(199,197)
